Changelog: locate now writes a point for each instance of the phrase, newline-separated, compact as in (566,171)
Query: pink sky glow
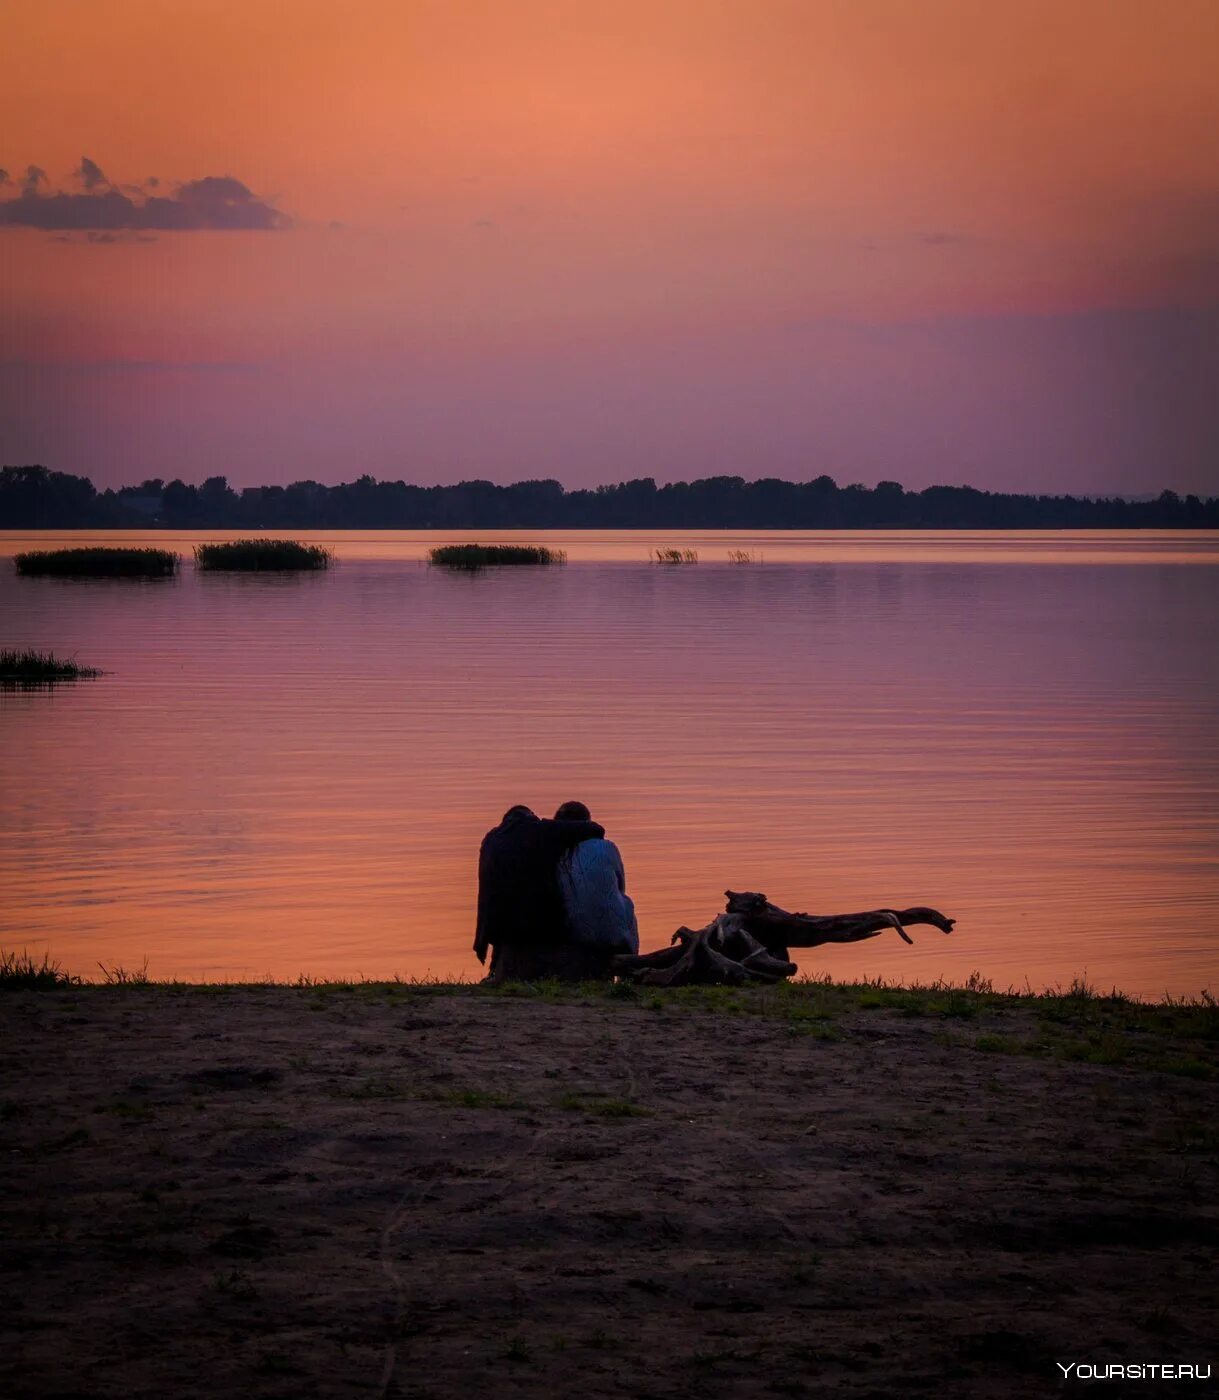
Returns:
(438,239)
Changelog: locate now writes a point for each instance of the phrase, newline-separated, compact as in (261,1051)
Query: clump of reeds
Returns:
(23,970)
(480,556)
(35,668)
(120,976)
(675,556)
(97,562)
(256,556)
(744,556)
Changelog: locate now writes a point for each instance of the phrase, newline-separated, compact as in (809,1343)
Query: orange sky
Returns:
(485,194)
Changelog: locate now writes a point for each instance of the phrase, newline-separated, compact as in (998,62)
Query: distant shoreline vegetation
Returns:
(262,556)
(100,562)
(472,557)
(32,497)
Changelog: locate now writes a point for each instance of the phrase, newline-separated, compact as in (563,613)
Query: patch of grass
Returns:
(744,556)
(97,561)
(935,1000)
(671,556)
(262,556)
(802,1010)
(1171,1016)
(120,976)
(1104,1048)
(815,1029)
(807,1000)
(21,971)
(472,557)
(517,1350)
(1185,1066)
(1178,1036)
(31,669)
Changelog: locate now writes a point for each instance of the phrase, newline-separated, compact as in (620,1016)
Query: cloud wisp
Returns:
(212,202)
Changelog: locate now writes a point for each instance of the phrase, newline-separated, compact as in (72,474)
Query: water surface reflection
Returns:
(287,774)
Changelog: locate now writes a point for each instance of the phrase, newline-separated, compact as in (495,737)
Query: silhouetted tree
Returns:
(33,497)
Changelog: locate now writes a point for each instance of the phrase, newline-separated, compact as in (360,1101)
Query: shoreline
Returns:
(25,971)
(423,1189)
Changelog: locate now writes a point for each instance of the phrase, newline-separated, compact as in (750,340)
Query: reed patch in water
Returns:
(97,561)
(481,556)
(35,668)
(258,556)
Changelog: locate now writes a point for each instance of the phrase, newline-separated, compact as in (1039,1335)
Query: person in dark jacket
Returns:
(521,917)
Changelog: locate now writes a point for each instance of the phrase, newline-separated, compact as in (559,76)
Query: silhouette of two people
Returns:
(552,898)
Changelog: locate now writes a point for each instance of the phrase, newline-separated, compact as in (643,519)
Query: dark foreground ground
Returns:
(402,1191)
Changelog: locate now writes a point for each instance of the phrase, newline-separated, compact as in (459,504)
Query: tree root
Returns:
(750,942)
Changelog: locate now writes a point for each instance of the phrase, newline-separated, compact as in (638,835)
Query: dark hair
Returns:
(573,812)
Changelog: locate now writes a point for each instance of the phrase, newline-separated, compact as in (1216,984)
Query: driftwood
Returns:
(749,942)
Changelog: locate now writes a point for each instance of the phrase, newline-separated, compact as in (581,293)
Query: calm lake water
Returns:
(292,774)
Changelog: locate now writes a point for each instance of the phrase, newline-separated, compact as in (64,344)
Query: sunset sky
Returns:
(944,241)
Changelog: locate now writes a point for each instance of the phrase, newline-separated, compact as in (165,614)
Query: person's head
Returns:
(514,814)
(573,812)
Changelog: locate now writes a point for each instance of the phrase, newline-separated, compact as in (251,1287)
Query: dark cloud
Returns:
(213,202)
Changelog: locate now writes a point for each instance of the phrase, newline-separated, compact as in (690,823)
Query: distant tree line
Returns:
(34,497)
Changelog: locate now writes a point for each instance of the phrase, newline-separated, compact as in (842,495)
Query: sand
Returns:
(273,1192)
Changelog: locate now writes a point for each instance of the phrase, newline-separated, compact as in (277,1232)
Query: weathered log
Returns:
(749,942)
(778,930)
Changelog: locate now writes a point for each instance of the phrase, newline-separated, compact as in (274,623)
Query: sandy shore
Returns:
(387,1191)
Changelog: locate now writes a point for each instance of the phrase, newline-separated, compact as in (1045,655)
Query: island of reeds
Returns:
(259,556)
(675,556)
(98,561)
(472,557)
(39,668)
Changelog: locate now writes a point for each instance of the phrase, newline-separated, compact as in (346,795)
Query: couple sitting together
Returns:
(552,898)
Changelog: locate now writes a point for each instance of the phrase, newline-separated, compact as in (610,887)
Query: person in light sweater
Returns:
(592,882)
